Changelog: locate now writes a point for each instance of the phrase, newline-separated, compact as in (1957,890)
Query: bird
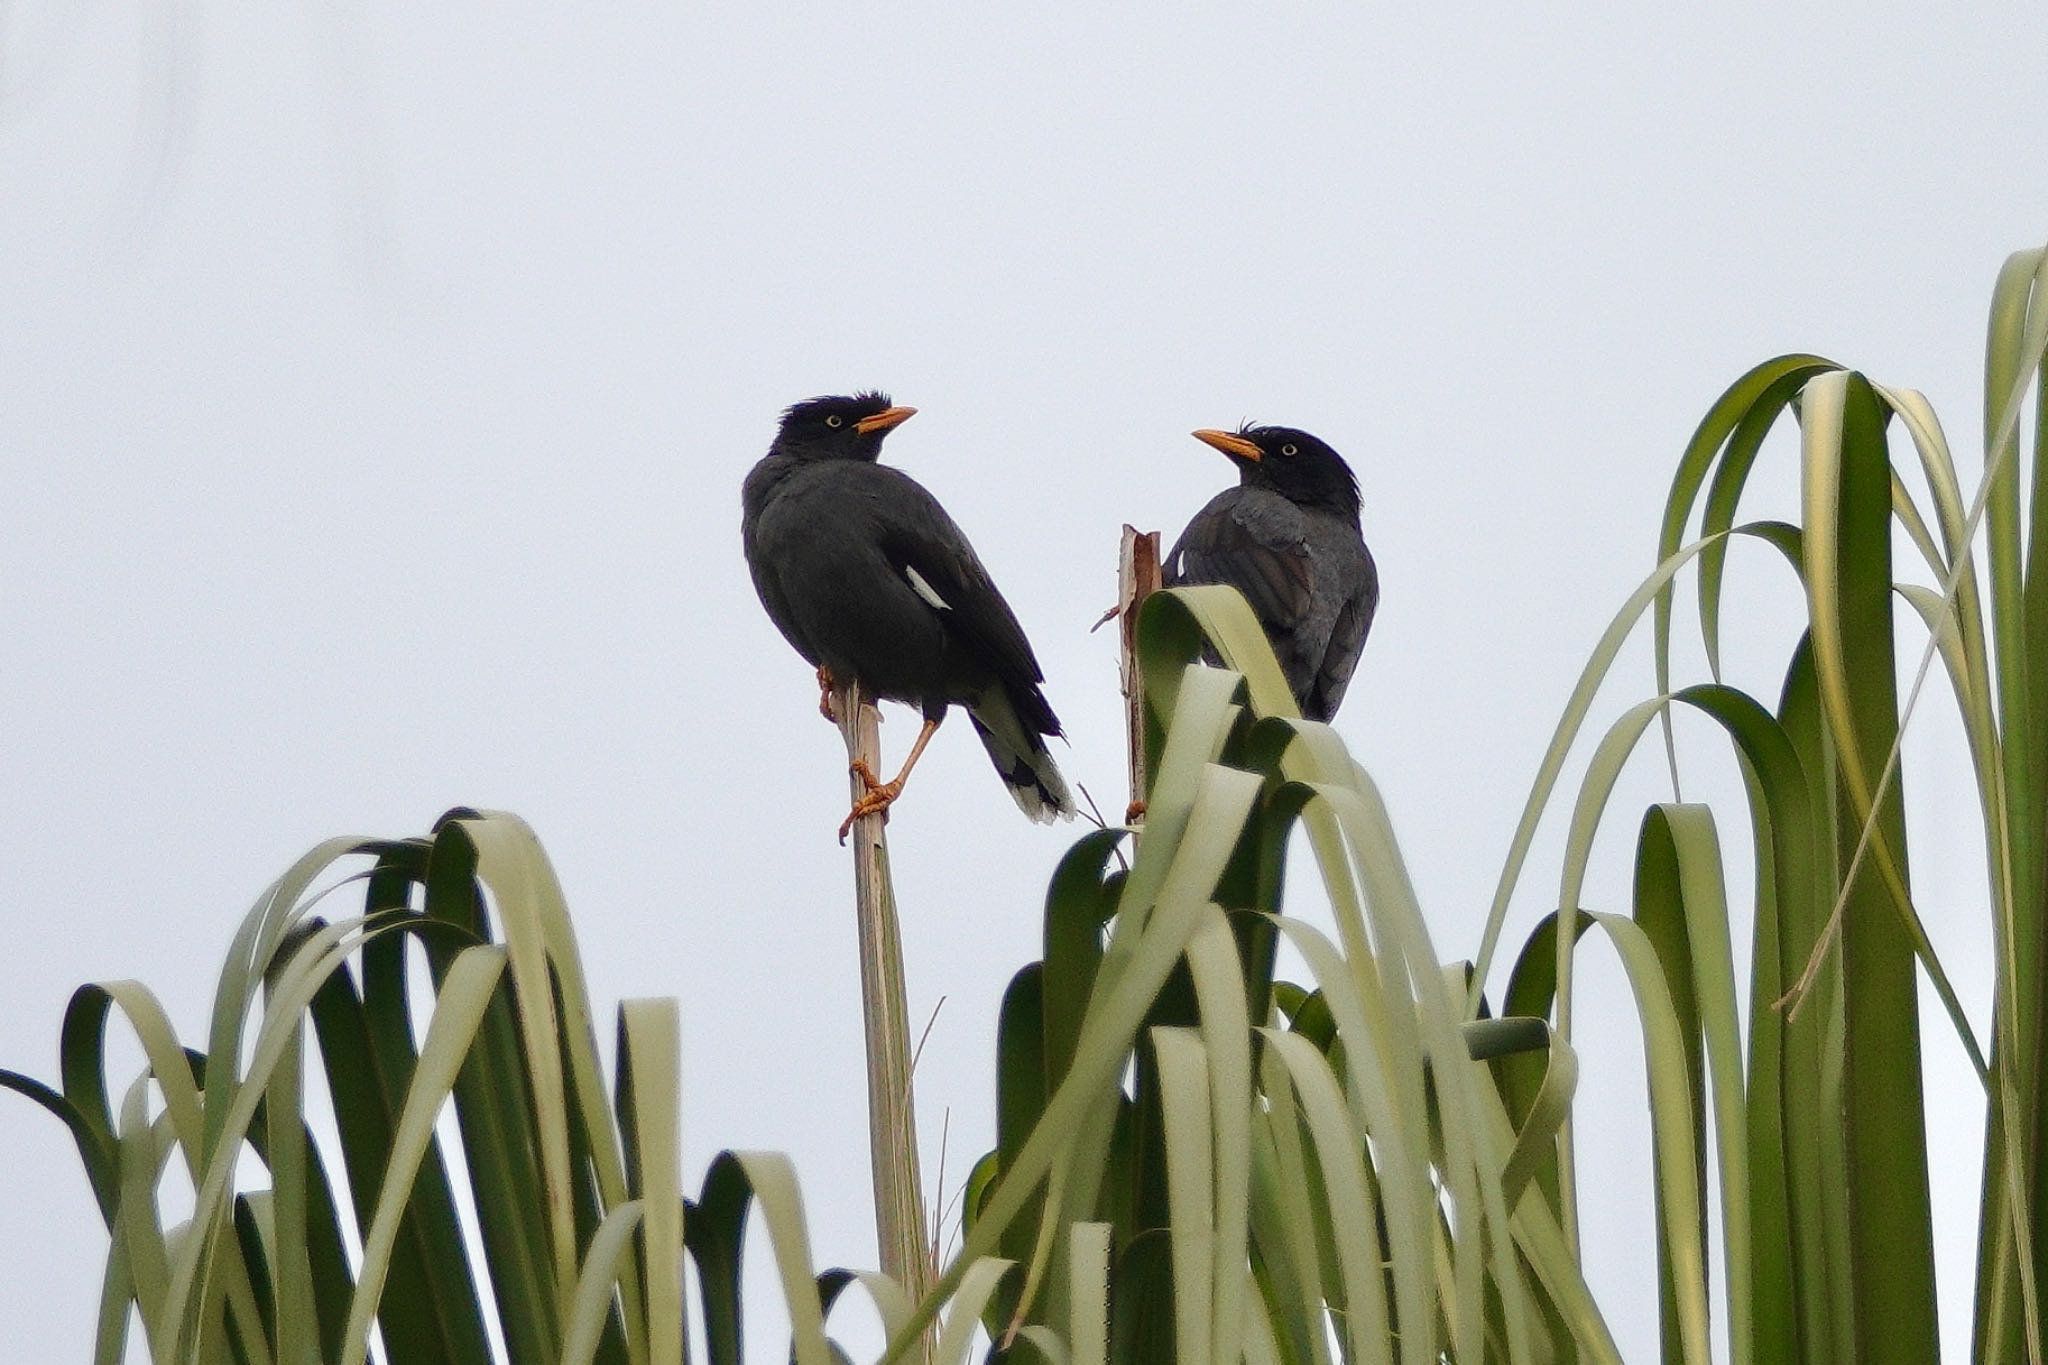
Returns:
(863,572)
(1288,538)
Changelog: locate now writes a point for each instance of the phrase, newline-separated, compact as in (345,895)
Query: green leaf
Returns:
(430,1313)
(1847,504)
(458,1010)
(650,1087)
(590,1307)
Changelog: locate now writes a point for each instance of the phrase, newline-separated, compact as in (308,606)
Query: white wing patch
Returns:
(924,589)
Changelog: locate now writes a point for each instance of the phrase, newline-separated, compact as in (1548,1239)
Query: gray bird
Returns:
(863,571)
(1287,537)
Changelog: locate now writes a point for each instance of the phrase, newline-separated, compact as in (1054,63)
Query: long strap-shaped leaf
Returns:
(1222,803)
(458,1009)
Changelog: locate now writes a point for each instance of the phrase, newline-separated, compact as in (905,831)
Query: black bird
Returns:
(863,571)
(1287,537)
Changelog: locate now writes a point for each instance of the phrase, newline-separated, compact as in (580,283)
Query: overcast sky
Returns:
(376,381)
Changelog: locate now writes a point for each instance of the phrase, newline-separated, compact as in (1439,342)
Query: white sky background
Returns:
(376,382)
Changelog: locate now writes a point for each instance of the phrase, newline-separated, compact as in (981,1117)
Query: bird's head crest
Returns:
(1301,467)
(839,426)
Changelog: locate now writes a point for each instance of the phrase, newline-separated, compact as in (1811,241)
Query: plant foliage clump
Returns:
(1195,1160)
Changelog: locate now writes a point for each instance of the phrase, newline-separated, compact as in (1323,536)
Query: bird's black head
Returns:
(1294,464)
(839,428)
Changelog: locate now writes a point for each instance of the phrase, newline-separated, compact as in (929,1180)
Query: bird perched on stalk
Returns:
(863,571)
(1287,537)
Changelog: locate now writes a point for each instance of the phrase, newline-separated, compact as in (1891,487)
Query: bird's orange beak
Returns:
(1230,443)
(883,420)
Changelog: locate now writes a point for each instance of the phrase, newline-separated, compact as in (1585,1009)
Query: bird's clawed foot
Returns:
(1134,812)
(880,795)
(826,685)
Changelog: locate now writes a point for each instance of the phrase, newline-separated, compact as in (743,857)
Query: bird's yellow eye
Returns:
(1287,450)
(834,420)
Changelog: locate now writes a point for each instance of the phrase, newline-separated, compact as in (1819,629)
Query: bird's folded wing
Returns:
(941,567)
(1254,548)
(1347,642)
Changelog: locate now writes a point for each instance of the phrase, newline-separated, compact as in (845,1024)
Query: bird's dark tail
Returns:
(1019,753)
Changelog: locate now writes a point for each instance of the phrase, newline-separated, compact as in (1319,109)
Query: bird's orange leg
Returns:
(880,794)
(826,682)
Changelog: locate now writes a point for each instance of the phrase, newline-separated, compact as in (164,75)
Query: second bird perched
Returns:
(863,571)
(1288,538)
